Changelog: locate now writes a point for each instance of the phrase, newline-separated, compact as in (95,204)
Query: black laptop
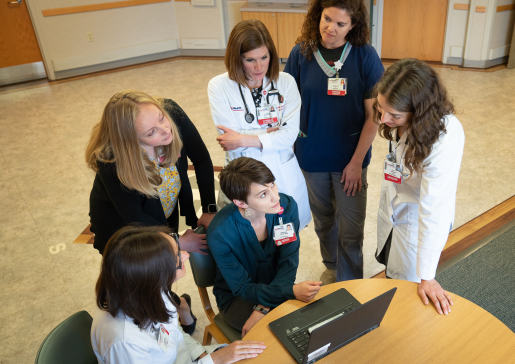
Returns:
(322,327)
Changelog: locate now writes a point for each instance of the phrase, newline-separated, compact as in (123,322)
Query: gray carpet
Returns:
(487,278)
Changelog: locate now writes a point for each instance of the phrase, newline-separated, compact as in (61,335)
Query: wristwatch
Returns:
(211,208)
(260,309)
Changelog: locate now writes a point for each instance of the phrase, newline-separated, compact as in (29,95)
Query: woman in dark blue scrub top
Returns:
(337,127)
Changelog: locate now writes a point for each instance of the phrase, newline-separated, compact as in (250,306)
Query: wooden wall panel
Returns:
(269,19)
(289,26)
(95,7)
(414,28)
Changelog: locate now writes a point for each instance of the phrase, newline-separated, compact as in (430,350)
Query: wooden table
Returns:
(409,333)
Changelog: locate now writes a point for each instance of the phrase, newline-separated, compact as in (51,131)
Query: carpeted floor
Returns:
(487,278)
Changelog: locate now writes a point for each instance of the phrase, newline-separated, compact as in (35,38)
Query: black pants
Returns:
(237,312)
(385,253)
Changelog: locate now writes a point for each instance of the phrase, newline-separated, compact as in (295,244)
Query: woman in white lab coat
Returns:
(256,108)
(135,319)
(418,195)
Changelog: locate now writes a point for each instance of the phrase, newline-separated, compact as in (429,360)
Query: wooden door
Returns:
(414,29)
(269,19)
(289,26)
(18,44)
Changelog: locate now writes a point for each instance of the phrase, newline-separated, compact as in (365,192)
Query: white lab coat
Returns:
(421,210)
(228,109)
(117,340)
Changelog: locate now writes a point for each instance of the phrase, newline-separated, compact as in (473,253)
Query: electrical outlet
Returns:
(90,37)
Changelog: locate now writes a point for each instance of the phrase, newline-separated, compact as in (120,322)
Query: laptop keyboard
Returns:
(300,337)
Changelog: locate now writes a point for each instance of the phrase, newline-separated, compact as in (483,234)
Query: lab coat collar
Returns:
(402,140)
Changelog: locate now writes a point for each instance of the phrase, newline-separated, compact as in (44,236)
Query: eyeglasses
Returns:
(176,238)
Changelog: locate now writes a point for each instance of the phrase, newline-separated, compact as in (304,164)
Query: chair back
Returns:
(203,267)
(69,342)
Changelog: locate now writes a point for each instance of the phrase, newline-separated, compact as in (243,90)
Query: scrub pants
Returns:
(339,222)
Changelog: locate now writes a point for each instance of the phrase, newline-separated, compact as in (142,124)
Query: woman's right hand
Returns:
(192,242)
(307,290)
(237,351)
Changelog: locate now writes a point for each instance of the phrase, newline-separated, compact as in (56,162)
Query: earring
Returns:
(247,213)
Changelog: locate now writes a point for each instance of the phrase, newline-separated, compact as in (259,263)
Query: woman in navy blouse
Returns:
(256,256)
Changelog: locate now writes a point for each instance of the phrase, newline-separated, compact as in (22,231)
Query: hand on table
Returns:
(205,219)
(236,351)
(432,289)
(307,290)
(252,320)
(230,140)
(352,177)
(192,242)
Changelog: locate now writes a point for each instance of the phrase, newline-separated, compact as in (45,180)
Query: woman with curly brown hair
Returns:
(336,71)
(418,196)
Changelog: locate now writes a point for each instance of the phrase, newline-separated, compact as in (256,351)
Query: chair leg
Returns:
(207,336)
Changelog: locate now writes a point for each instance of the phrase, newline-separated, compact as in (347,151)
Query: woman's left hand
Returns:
(251,321)
(352,177)
(205,219)
(230,140)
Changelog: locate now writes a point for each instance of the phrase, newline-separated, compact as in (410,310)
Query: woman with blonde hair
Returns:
(418,195)
(139,151)
(336,70)
(256,109)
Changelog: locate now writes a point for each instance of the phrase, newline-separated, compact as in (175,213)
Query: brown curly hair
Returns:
(310,35)
(410,85)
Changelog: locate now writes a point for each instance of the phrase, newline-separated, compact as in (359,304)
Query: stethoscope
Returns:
(249,117)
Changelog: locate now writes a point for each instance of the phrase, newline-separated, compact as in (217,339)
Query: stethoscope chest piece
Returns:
(249,118)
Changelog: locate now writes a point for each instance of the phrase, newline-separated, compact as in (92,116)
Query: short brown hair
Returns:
(240,173)
(138,267)
(310,37)
(246,36)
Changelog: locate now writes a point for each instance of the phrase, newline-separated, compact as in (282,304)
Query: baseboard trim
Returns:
(138,61)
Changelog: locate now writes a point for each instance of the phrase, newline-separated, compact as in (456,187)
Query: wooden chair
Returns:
(203,268)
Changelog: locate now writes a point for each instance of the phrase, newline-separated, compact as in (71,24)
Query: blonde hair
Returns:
(114,140)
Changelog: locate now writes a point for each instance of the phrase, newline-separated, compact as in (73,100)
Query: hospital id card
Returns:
(337,86)
(284,234)
(163,338)
(392,171)
(266,116)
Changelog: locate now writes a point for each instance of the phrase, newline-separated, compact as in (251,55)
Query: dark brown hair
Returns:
(358,36)
(246,36)
(240,173)
(410,85)
(138,266)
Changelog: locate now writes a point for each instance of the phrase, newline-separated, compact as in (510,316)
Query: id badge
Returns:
(284,234)
(392,171)
(337,86)
(162,338)
(264,116)
(274,113)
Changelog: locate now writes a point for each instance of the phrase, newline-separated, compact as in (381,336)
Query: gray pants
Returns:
(339,222)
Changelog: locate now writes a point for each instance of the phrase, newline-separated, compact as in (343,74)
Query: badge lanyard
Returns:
(249,117)
(283,233)
(393,171)
(337,86)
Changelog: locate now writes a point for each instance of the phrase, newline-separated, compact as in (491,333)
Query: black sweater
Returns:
(113,205)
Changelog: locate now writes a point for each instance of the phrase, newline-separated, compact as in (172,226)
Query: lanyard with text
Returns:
(284,233)
(337,86)
(392,169)
(268,115)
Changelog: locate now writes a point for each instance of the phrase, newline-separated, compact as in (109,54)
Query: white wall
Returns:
(477,39)
(124,32)
(199,25)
